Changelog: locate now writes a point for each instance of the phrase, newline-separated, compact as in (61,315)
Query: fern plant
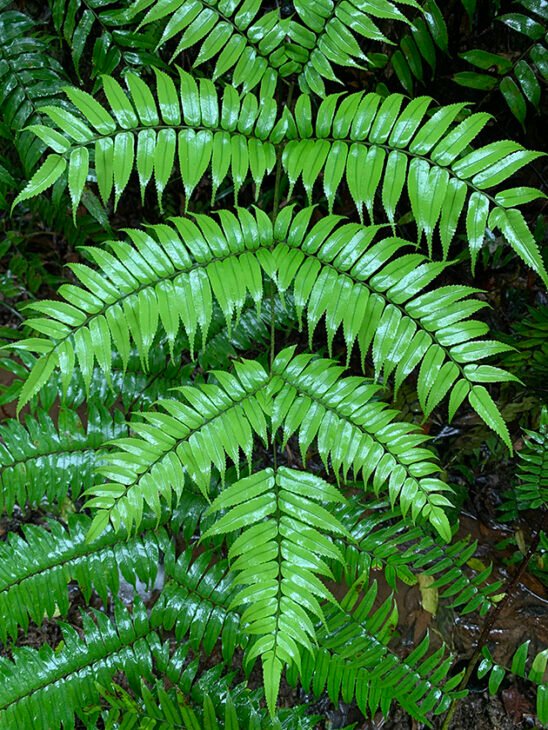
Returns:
(238,449)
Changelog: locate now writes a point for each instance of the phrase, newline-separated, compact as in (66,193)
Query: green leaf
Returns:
(486,408)
(514,98)
(50,171)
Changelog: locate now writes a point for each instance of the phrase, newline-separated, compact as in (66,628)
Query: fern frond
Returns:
(50,687)
(537,668)
(249,45)
(354,661)
(311,399)
(183,441)
(95,29)
(417,53)
(329,34)
(384,540)
(30,77)
(278,561)
(195,603)
(531,490)
(381,303)
(530,337)
(41,460)
(161,709)
(146,131)
(432,159)
(35,571)
(520,81)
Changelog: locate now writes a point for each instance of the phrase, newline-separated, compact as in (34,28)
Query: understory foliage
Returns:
(262,259)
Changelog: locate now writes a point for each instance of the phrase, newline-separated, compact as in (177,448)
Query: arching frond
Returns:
(278,561)
(147,131)
(41,460)
(355,432)
(404,150)
(354,661)
(381,301)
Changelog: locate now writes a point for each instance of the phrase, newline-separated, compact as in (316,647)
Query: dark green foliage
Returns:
(30,78)
(520,80)
(212,434)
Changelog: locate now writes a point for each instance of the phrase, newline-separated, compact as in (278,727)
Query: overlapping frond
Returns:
(258,48)
(43,460)
(96,29)
(356,432)
(246,42)
(230,134)
(381,301)
(184,441)
(354,661)
(430,158)
(383,540)
(331,33)
(161,709)
(195,603)
(35,570)
(278,561)
(29,78)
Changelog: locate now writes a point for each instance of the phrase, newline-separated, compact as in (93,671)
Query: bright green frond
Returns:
(381,302)
(185,131)
(41,460)
(184,440)
(278,560)
(403,149)
(357,433)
